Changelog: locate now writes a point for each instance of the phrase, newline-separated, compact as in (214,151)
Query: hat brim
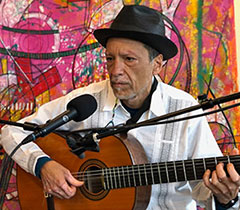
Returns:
(162,44)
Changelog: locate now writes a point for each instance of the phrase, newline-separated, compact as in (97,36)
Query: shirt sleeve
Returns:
(40,163)
(27,155)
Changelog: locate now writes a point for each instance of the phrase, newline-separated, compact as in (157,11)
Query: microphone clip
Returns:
(79,144)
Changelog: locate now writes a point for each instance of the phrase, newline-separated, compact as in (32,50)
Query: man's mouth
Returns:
(119,84)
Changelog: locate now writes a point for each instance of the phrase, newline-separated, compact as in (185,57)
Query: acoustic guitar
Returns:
(116,177)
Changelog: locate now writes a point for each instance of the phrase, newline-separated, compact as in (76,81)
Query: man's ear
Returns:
(157,64)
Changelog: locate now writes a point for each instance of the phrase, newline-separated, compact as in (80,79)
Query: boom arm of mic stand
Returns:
(26,125)
(207,104)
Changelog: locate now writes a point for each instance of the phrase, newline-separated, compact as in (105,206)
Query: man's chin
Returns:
(123,95)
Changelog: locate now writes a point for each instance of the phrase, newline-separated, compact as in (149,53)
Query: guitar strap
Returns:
(50,201)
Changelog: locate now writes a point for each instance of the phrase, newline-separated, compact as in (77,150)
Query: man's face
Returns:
(130,70)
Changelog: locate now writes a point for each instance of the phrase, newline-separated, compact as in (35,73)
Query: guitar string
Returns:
(122,181)
(186,162)
(163,165)
(145,168)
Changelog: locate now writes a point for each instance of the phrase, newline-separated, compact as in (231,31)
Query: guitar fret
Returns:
(104,183)
(111,178)
(194,170)
(204,164)
(134,181)
(175,171)
(184,171)
(159,174)
(167,172)
(139,174)
(129,182)
(216,162)
(118,180)
(152,174)
(228,159)
(145,174)
(123,176)
(107,178)
(114,178)
(119,177)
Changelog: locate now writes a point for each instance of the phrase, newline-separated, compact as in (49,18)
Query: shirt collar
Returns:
(110,98)
(157,101)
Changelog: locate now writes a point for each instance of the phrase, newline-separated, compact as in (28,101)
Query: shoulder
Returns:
(60,103)
(99,88)
(91,88)
(176,94)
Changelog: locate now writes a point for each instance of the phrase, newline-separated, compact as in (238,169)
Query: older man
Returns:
(136,47)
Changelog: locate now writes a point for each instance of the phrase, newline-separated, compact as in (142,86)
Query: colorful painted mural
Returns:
(47,49)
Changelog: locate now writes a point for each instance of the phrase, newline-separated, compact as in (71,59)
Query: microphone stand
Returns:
(93,139)
(26,125)
(7,162)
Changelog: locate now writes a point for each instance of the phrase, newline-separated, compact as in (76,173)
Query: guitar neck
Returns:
(164,172)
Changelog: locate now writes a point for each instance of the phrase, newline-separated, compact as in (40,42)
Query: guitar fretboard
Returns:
(164,172)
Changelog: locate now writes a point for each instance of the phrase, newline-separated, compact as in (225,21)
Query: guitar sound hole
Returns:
(93,180)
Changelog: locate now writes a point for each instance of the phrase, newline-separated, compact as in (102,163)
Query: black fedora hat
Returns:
(142,24)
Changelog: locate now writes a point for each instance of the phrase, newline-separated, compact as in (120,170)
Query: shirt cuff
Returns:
(220,206)
(40,162)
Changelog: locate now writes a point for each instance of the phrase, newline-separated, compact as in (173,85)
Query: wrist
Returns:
(40,162)
(222,206)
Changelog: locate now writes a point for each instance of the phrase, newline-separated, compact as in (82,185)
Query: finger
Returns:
(73,181)
(235,151)
(219,183)
(233,174)
(234,180)
(58,195)
(55,189)
(69,187)
(208,183)
(211,184)
(228,185)
(221,174)
(68,191)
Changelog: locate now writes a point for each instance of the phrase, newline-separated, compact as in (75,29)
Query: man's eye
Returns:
(130,58)
(109,58)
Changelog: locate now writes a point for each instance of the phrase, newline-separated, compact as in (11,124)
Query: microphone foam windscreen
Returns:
(85,105)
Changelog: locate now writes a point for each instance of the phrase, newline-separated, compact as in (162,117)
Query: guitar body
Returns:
(114,151)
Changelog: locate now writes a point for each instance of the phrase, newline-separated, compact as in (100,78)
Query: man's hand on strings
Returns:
(225,188)
(58,181)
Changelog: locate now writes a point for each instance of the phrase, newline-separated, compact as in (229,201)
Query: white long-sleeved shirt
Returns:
(166,142)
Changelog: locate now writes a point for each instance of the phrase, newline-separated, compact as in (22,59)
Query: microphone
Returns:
(78,109)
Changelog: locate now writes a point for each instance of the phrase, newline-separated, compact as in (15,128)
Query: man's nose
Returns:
(117,67)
